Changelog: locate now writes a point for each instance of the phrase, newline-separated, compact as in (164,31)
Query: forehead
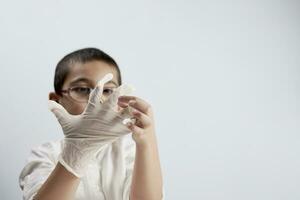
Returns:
(91,72)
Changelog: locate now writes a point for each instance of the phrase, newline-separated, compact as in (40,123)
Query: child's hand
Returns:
(143,131)
(87,133)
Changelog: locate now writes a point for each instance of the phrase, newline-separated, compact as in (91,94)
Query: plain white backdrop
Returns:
(223,78)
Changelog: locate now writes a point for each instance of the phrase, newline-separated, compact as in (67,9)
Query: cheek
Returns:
(104,97)
(116,107)
(78,109)
(74,108)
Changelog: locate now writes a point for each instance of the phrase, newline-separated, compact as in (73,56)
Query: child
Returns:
(97,159)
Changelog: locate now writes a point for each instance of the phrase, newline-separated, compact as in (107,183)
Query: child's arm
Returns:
(60,185)
(43,177)
(147,176)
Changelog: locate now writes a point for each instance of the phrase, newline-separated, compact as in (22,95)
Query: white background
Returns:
(222,76)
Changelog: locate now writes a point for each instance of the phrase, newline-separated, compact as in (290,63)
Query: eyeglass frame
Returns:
(67,91)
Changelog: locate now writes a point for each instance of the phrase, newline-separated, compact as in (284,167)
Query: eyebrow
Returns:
(86,80)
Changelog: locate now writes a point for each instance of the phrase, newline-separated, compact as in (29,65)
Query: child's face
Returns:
(85,76)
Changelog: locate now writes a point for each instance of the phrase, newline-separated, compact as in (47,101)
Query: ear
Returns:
(54,97)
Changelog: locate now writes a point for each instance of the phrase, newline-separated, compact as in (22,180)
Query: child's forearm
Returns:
(60,185)
(147,176)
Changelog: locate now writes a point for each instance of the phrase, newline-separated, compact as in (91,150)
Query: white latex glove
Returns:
(87,133)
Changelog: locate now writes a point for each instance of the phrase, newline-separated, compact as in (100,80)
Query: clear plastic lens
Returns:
(80,93)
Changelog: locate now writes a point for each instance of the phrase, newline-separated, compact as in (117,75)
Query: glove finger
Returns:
(126,89)
(112,100)
(126,115)
(59,111)
(96,94)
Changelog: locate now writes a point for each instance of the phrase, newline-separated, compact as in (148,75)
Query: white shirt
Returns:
(108,176)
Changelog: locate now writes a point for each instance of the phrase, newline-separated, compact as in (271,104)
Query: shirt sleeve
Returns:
(39,165)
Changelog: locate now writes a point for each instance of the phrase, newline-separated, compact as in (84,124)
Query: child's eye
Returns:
(82,90)
(108,91)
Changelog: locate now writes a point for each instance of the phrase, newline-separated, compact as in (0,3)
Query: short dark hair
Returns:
(81,56)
